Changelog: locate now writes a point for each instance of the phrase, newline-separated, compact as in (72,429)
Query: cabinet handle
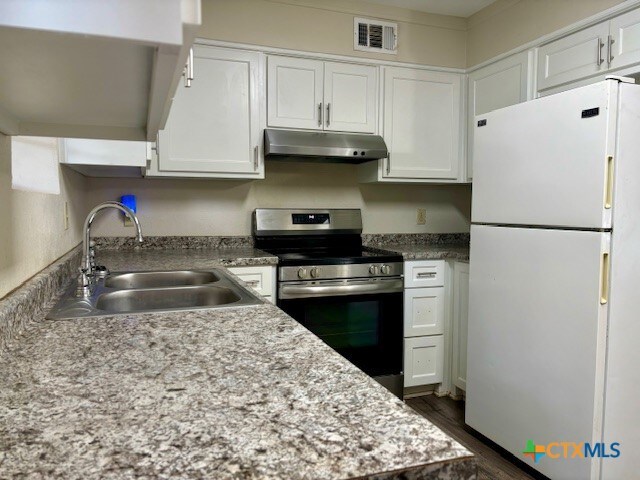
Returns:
(320,114)
(599,59)
(188,70)
(426,274)
(252,283)
(604,286)
(255,157)
(388,163)
(328,113)
(608,193)
(610,41)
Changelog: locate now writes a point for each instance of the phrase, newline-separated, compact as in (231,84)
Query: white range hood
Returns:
(92,68)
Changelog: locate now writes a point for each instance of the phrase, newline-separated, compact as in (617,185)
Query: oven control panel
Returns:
(324,272)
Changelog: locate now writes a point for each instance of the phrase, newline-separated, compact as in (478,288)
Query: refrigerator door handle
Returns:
(604,285)
(608,194)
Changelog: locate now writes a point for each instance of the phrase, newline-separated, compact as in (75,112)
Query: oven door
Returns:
(361,319)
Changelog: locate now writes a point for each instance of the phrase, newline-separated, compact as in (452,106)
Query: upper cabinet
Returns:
(421,127)
(77,69)
(495,86)
(105,158)
(601,49)
(316,95)
(215,126)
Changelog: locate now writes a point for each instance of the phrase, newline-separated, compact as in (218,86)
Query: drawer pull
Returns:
(253,283)
(426,274)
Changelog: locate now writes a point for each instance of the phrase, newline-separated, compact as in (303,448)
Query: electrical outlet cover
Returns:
(421,216)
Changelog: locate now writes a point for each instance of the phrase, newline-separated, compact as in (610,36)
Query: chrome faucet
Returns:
(88,268)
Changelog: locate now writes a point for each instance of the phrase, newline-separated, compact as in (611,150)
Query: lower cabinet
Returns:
(423,360)
(260,278)
(460,316)
(436,299)
(424,322)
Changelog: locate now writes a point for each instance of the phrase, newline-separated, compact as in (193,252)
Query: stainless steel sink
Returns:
(126,301)
(161,291)
(160,279)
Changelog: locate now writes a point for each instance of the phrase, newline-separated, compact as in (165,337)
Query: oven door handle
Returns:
(303,291)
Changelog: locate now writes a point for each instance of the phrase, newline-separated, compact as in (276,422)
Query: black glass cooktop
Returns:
(335,256)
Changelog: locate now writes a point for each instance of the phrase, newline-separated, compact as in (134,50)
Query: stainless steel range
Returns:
(348,295)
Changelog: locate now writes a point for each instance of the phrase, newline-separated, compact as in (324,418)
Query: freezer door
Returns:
(545,162)
(536,341)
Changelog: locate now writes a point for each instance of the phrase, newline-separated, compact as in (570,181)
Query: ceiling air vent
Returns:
(375,36)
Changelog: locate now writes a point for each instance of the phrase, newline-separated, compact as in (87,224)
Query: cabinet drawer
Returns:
(259,278)
(423,311)
(424,273)
(423,360)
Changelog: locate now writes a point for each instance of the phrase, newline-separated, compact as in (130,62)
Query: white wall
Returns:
(219,207)
(327,26)
(32,233)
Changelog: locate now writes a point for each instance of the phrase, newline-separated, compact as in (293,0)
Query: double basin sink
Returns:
(160,291)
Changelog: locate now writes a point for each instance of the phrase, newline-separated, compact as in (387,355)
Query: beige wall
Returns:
(507,24)
(327,27)
(32,233)
(218,207)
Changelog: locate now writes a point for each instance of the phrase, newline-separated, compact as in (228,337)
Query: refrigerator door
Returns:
(536,341)
(545,162)
(622,415)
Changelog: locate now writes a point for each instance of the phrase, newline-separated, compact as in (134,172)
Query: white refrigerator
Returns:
(554,307)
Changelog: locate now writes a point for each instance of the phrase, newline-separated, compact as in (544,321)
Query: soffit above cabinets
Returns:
(92,69)
(456,8)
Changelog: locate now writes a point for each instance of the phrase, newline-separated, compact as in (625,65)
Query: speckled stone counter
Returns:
(233,393)
(236,393)
(422,246)
(176,259)
(429,252)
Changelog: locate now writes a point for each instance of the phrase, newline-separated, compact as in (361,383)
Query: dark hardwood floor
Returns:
(448,414)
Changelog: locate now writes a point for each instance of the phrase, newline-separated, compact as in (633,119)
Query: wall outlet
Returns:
(65,213)
(421,216)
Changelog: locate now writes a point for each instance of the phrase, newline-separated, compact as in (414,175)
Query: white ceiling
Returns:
(458,8)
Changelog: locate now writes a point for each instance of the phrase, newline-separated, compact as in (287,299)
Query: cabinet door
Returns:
(350,94)
(625,33)
(421,124)
(492,87)
(294,93)
(214,126)
(460,317)
(574,57)
(423,360)
(423,311)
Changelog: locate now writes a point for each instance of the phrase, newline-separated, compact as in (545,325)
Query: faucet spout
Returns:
(87,268)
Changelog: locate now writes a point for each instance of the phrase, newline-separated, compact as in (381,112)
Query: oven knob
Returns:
(385,269)
(373,269)
(302,273)
(315,272)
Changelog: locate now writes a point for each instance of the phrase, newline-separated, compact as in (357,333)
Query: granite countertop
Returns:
(177,259)
(428,252)
(230,393)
